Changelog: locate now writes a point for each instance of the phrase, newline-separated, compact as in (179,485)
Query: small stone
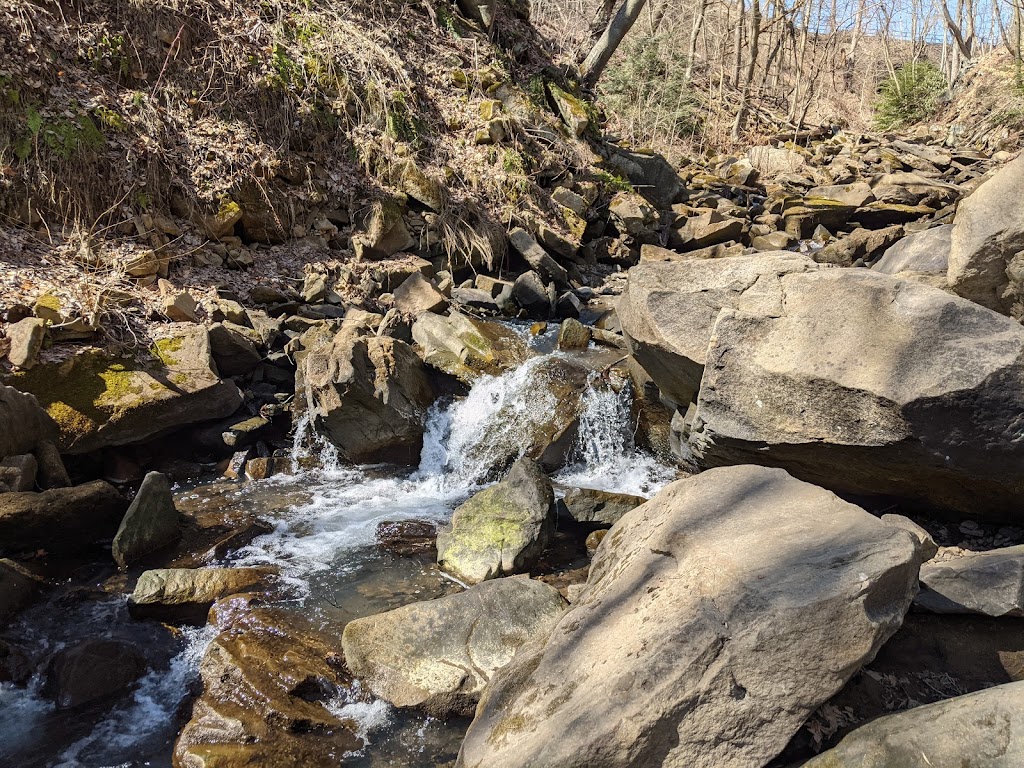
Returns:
(180,307)
(539,328)
(573,335)
(314,288)
(19,472)
(48,307)
(236,465)
(26,340)
(261,468)
(417,295)
(594,540)
(407,537)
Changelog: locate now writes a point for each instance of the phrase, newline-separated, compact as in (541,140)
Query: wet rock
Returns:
(439,654)
(688,616)
(918,253)
(18,473)
(92,671)
(244,433)
(417,295)
(465,347)
(26,340)
(980,729)
(668,310)
(369,395)
(501,530)
(407,537)
(589,505)
(18,586)
(100,400)
(267,681)
(475,298)
(60,520)
(185,595)
(987,583)
(986,258)
(261,468)
(866,384)
(572,334)
(151,522)
(568,305)
(234,348)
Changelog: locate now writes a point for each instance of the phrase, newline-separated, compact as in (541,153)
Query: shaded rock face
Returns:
(674,652)
(871,385)
(986,258)
(150,523)
(186,595)
(24,425)
(980,730)
(465,347)
(668,310)
(267,679)
(61,520)
(368,395)
(988,583)
(501,530)
(100,401)
(92,671)
(589,505)
(439,654)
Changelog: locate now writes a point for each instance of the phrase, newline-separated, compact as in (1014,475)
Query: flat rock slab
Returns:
(716,618)
(61,520)
(988,583)
(186,594)
(979,730)
(439,654)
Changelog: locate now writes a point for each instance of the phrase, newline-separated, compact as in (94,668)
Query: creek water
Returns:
(323,544)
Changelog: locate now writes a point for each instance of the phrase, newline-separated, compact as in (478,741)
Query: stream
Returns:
(324,523)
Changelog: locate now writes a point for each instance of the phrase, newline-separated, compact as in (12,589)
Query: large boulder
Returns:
(867,384)
(920,253)
(61,520)
(186,594)
(439,654)
(466,347)
(986,257)
(369,395)
(93,670)
(987,583)
(980,730)
(669,308)
(99,400)
(24,425)
(502,529)
(150,523)
(698,640)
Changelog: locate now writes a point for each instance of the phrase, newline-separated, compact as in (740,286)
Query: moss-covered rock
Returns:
(98,399)
(467,348)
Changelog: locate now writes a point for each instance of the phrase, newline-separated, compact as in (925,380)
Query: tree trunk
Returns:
(593,66)
(691,47)
(755,36)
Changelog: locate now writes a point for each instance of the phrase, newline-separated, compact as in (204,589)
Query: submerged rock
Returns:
(99,400)
(93,670)
(267,680)
(868,384)
(150,523)
(439,654)
(186,594)
(980,730)
(61,520)
(987,583)
(369,395)
(501,530)
(676,651)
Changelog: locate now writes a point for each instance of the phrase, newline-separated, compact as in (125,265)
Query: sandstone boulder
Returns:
(668,310)
(234,348)
(465,347)
(867,384)
(101,400)
(186,594)
(417,295)
(23,423)
(501,530)
(698,641)
(439,654)
(590,505)
(981,730)
(61,520)
(924,252)
(369,395)
(987,583)
(986,257)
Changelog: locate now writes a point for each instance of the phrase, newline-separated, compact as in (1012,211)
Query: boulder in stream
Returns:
(981,730)
(699,641)
(60,520)
(439,654)
(93,670)
(185,595)
(466,347)
(150,523)
(502,529)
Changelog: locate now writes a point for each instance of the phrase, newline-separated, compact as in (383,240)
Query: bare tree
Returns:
(594,65)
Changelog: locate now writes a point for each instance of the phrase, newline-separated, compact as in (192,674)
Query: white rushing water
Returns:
(330,533)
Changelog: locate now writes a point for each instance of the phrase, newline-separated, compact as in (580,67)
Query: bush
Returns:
(910,96)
